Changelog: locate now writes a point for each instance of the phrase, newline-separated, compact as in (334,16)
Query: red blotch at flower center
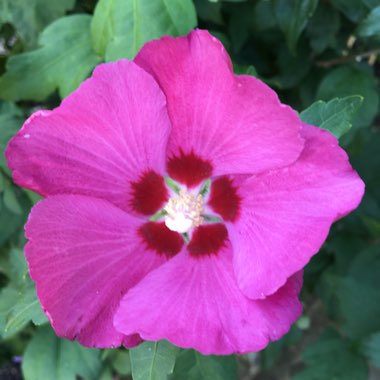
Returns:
(149,193)
(189,169)
(224,199)
(160,239)
(184,220)
(208,240)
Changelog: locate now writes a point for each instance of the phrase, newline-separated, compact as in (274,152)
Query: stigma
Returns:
(184,212)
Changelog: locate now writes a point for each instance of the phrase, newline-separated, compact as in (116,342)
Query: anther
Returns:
(184,212)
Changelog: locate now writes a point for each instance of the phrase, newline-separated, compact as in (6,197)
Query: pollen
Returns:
(184,212)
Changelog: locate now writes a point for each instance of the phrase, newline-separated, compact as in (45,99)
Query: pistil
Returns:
(184,212)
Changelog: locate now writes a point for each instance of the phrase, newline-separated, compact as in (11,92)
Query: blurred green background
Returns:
(307,50)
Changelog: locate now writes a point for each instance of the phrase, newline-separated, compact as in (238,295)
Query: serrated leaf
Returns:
(370,26)
(191,365)
(292,18)
(17,309)
(26,307)
(18,301)
(120,27)
(332,357)
(30,16)
(351,80)
(48,357)
(8,296)
(153,360)
(334,116)
(64,60)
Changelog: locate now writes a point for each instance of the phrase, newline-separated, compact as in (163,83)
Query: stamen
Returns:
(184,212)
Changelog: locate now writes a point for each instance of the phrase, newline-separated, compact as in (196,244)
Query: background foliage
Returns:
(321,57)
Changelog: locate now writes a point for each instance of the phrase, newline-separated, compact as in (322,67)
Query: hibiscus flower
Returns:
(182,202)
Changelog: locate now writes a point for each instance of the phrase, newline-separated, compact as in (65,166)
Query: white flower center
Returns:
(184,212)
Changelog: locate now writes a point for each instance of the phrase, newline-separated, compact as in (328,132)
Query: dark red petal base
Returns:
(208,239)
(189,169)
(224,199)
(149,193)
(160,239)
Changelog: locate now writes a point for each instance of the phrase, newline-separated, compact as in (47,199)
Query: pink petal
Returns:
(84,254)
(235,122)
(104,137)
(286,214)
(196,303)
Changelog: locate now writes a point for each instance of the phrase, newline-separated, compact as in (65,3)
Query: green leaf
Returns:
(371,3)
(18,301)
(10,199)
(352,289)
(351,80)
(245,70)
(18,268)
(354,10)
(370,26)
(334,116)
(2,182)
(11,222)
(323,28)
(120,27)
(11,119)
(121,362)
(63,61)
(332,357)
(30,16)
(241,22)
(359,294)
(48,357)
(292,68)
(372,349)
(191,365)
(367,162)
(24,308)
(209,11)
(274,350)
(292,17)
(153,360)
(106,374)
